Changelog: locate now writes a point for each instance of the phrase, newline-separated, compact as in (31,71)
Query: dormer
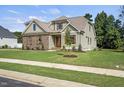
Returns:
(59,23)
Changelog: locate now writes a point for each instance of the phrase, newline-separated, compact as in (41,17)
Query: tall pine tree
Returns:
(100,22)
(107,31)
(122,20)
(112,33)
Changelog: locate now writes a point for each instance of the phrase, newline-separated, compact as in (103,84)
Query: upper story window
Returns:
(59,26)
(34,27)
(89,27)
(88,40)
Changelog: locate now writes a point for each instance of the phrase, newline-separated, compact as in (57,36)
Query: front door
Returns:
(58,41)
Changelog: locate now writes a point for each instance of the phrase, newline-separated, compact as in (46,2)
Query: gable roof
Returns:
(43,25)
(78,23)
(5,33)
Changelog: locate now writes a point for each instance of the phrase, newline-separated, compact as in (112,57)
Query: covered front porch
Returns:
(55,41)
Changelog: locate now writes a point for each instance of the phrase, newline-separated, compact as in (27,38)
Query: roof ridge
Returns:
(39,20)
(77,17)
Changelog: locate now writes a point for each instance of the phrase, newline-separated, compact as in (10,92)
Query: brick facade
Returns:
(36,42)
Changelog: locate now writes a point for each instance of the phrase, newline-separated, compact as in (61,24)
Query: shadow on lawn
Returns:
(120,51)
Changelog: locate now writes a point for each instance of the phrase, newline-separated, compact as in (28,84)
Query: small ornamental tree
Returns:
(68,40)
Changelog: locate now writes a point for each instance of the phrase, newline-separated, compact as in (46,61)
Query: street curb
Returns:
(40,80)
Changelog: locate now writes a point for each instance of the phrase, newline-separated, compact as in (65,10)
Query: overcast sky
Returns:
(13,17)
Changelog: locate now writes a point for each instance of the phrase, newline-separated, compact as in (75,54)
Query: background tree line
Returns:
(109,31)
(19,36)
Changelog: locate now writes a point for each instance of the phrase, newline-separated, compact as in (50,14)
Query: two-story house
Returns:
(41,35)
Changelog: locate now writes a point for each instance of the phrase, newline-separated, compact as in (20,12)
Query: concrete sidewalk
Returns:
(40,80)
(111,72)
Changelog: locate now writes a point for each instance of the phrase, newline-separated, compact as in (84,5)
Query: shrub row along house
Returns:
(7,39)
(51,35)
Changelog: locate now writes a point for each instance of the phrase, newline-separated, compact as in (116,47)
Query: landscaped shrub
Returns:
(42,47)
(63,48)
(22,47)
(123,49)
(100,49)
(37,48)
(70,55)
(73,48)
(5,46)
(95,49)
(27,48)
(79,47)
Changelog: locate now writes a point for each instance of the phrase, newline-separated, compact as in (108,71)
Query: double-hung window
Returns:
(59,26)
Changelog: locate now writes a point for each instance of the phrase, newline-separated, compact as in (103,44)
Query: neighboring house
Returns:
(7,38)
(51,35)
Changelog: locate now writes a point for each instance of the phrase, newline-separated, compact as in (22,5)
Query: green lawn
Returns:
(104,58)
(82,77)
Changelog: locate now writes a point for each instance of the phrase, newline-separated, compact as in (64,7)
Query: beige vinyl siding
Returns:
(30,29)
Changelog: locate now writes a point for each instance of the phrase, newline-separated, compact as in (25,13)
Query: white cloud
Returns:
(33,17)
(68,16)
(19,21)
(42,18)
(54,11)
(13,11)
(14,20)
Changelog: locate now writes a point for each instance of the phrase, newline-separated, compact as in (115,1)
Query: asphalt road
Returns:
(6,82)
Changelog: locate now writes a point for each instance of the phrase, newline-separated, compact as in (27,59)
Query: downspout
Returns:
(80,38)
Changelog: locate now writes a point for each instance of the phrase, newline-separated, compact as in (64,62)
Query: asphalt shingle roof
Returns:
(43,25)
(60,18)
(78,22)
(5,33)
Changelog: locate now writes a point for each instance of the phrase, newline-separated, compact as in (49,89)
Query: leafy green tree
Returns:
(107,31)
(122,13)
(19,36)
(100,24)
(68,40)
(118,24)
(122,20)
(120,27)
(112,37)
(88,16)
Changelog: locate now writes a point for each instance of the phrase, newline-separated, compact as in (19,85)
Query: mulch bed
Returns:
(71,56)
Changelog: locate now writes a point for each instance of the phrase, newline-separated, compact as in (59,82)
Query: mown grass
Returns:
(105,58)
(82,77)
